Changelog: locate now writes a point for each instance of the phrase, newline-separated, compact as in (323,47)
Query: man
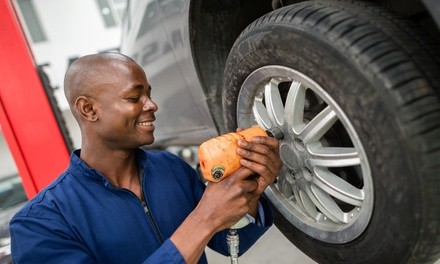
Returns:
(116,203)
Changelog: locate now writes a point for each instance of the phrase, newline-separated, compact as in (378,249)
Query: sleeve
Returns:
(248,234)
(36,240)
(167,253)
(260,221)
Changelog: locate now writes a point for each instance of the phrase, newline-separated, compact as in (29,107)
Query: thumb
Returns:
(241,174)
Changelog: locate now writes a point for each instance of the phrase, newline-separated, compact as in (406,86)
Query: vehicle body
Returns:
(12,198)
(354,85)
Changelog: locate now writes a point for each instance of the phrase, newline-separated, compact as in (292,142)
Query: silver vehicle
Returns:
(12,198)
(353,85)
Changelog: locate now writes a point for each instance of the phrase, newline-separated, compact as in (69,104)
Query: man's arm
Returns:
(226,202)
(221,206)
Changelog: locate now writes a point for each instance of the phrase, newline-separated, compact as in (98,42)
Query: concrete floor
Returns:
(271,248)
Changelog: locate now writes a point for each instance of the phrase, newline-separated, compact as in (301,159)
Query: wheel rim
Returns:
(325,185)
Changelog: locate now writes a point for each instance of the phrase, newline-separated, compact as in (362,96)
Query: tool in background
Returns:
(218,159)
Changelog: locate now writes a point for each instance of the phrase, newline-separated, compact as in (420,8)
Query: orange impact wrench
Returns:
(219,159)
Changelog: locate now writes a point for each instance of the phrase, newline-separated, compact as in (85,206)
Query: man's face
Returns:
(124,107)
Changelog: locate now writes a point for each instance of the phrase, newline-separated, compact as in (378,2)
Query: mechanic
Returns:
(117,203)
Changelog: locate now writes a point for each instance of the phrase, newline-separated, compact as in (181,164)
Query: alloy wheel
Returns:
(325,186)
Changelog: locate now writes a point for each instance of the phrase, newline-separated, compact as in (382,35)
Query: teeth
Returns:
(145,123)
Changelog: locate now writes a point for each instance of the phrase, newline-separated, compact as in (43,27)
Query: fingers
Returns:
(262,154)
(242,173)
(230,197)
(262,157)
(262,145)
(241,179)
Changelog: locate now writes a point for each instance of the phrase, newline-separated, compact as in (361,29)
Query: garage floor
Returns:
(272,248)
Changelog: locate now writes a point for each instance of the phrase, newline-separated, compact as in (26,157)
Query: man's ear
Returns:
(84,106)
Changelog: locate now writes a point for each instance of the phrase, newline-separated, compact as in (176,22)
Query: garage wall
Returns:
(71,28)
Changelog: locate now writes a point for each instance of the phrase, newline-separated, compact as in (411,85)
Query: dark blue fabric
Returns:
(82,218)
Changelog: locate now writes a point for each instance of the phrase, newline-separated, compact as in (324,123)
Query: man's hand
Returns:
(224,203)
(262,157)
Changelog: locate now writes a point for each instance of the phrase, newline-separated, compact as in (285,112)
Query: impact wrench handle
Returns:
(219,159)
(233,244)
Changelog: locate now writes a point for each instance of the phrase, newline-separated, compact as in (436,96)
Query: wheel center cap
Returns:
(290,158)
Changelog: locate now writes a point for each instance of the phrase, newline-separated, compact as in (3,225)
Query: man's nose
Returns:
(150,105)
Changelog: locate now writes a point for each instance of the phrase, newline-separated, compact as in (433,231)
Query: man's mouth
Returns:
(145,123)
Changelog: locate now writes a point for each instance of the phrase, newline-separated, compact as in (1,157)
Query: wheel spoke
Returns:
(285,187)
(333,157)
(308,204)
(327,205)
(274,104)
(337,187)
(319,125)
(260,113)
(294,109)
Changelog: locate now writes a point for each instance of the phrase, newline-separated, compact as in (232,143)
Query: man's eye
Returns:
(134,99)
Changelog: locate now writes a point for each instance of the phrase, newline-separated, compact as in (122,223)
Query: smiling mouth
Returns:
(146,123)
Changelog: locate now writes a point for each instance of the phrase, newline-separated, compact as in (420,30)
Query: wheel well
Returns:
(214,25)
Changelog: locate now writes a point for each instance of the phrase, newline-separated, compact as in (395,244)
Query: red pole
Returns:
(28,123)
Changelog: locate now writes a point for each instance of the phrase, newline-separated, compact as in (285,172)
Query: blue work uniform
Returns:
(82,218)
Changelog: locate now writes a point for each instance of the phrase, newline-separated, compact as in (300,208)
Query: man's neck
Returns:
(119,167)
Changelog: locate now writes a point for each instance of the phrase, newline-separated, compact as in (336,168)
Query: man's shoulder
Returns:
(46,203)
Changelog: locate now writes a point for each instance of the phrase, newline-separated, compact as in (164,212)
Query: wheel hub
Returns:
(290,158)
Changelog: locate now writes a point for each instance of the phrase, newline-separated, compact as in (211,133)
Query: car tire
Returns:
(355,91)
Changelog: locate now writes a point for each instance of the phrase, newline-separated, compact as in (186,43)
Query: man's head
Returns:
(109,96)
